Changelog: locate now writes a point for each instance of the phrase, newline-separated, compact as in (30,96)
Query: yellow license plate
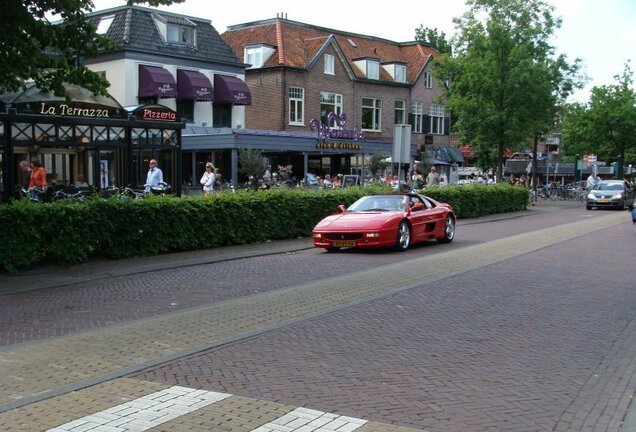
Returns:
(603,201)
(344,244)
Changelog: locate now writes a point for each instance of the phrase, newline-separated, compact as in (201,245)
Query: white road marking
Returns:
(160,407)
(308,420)
(145,412)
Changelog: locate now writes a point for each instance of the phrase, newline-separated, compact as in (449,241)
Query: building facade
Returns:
(298,74)
(177,61)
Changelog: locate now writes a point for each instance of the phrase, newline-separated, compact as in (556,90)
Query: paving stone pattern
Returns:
(517,333)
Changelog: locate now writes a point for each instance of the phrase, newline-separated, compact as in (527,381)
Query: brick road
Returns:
(490,333)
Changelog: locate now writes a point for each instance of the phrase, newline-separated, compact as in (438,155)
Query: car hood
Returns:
(605,193)
(352,221)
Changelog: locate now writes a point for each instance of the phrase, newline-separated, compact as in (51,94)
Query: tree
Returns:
(436,38)
(506,82)
(251,163)
(611,118)
(49,53)
(574,127)
(378,163)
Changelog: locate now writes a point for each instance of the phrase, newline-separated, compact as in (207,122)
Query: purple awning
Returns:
(156,81)
(228,89)
(193,86)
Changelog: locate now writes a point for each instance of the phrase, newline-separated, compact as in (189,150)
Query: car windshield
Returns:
(378,203)
(609,186)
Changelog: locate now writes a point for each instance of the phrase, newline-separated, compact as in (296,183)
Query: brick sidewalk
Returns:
(57,366)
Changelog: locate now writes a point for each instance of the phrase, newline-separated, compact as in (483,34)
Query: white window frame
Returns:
(180,34)
(329,63)
(436,114)
(296,101)
(417,109)
(257,54)
(400,73)
(399,109)
(373,105)
(373,69)
(428,79)
(334,99)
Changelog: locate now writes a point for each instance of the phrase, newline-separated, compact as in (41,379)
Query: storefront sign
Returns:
(325,131)
(339,146)
(63,109)
(68,109)
(155,112)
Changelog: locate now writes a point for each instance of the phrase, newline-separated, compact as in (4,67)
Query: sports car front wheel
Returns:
(449,230)
(403,237)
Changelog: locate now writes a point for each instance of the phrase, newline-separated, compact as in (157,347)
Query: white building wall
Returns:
(123,76)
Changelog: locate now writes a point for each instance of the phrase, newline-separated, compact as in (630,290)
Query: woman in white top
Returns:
(208,179)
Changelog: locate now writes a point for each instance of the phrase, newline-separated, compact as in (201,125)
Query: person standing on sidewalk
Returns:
(154,177)
(26,174)
(208,179)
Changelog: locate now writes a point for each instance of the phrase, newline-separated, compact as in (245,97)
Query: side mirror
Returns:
(417,207)
(342,208)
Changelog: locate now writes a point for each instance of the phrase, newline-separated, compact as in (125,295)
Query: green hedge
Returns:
(67,232)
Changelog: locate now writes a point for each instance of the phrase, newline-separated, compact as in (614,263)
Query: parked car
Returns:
(617,194)
(393,220)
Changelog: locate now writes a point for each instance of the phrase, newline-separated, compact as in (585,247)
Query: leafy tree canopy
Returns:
(436,38)
(606,126)
(506,82)
(251,163)
(34,48)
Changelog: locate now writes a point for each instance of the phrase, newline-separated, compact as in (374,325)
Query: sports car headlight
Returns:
(317,235)
(591,197)
(372,235)
(618,196)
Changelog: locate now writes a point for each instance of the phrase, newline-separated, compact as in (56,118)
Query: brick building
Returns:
(299,72)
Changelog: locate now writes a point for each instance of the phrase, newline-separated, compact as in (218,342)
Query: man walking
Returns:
(154,177)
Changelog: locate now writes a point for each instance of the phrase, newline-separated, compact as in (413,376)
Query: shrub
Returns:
(69,232)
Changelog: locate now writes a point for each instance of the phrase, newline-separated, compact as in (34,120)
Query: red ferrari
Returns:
(396,220)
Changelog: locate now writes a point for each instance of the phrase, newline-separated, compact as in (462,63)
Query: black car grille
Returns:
(343,236)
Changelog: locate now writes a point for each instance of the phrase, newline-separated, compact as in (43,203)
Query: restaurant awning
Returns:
(156,81)
(192,85)
(228,89)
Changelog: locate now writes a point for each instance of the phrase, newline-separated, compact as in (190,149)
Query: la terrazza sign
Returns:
(325,131)
(70,109)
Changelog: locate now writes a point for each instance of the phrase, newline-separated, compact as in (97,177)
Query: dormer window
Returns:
(257,55)
(180,34)
(373,69)
(396,70)
(176,30)
(104,24)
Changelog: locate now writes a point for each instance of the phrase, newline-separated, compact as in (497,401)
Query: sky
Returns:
(601,34)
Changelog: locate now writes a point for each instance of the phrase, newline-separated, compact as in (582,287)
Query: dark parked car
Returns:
(617,194)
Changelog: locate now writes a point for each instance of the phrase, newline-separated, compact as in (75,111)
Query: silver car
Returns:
(617,194)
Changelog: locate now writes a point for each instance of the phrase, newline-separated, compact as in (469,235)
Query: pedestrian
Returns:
(592,180)
(443,180)
(81,182)
(432,179)
(154,177)
(208,179)
(26,174)
(37,182)
(417,180)
(267,176)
